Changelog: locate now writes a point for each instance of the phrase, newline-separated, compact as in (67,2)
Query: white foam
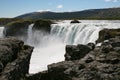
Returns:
(51,48)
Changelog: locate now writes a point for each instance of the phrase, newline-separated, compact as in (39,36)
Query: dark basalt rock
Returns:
(62,68)
(14,59)
(16,29)
(42,25)
(76,52)
(1,67)
(75,21)
(38,76)
(106,34)
(89,59)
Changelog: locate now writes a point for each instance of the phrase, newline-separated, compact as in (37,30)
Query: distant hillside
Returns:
(108,13)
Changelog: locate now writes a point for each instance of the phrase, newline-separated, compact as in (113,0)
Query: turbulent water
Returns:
(51,48)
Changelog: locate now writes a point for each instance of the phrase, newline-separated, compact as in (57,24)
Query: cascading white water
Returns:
(76,33)
(29,40)
(51,48)
(1,32)
(80,33)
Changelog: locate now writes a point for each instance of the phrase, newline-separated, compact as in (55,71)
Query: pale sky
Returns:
(12,8)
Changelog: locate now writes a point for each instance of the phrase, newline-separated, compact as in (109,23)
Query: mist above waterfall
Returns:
(50,48)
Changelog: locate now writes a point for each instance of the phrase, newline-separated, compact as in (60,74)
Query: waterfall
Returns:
(76,33)
(30,39)
(80,33)
(1,32)
(51,48)
(47,49)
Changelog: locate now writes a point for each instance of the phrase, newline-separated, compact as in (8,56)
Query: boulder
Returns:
(14,59)
(75,21)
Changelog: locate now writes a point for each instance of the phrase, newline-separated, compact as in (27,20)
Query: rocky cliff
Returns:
(86,62)
(19,29)
(14,59)
(107,34)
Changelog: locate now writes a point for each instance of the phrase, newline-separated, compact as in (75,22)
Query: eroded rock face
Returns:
(16,29)
(14,59)
(92,63)
(76,52)
(106,34)
(43,25)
